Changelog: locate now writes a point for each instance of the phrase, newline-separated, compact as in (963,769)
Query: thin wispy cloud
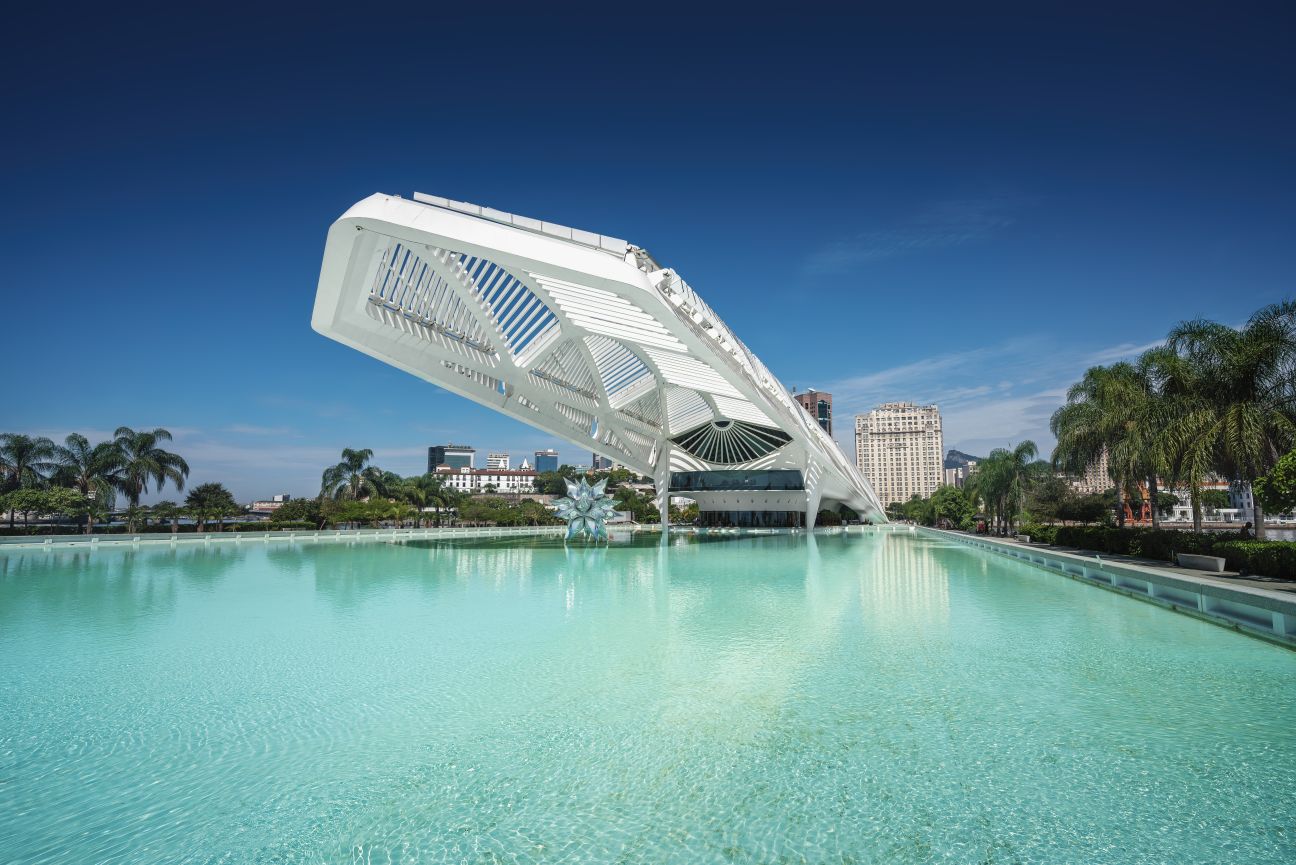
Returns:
(943,225)
(1124,351)
(254,430)
(989,396)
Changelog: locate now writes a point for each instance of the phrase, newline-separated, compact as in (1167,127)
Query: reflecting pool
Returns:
(849,697)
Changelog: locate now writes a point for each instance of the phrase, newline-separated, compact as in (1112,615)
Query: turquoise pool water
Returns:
(846,698)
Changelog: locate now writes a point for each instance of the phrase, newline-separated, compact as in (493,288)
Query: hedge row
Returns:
(156,528)
(1269,558)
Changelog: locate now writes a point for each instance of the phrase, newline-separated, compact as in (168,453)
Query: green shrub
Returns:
(1158,544)
(1263,558)
(1266,558)
(267,526)
(1039,533)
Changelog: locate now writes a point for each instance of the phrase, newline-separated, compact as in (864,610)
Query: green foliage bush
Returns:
(298,511)
(1277,489)
(268,526)
(1267,558)
(1082,537)
(1039,532)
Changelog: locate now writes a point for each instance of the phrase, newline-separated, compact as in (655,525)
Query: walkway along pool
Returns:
(862,696)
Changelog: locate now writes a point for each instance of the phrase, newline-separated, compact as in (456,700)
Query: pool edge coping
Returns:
(1239,608)
(169,539)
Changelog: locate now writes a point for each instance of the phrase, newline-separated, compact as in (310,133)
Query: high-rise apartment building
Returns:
(958,476)
(546,460)
(455,456)
(1095,478)
(819,404)
(900,450)
(497,461)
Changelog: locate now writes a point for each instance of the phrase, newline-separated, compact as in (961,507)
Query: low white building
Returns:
(274,503)
(1240,497)
(1183,510)
(474,481)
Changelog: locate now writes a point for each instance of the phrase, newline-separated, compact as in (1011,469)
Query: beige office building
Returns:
(900,450)
(1095,478)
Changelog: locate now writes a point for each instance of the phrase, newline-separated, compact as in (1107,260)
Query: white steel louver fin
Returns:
(741,409)
(638,439)
(727,442)
(581,420)
(624,375)
(685,409)
(489,382)
(409,288)
(686,371)
(646,409)
(565,371)
(612,440)
(526,324)
(603,312)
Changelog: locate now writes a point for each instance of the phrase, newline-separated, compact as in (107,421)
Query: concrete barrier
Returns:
(1214,564)
(94,542)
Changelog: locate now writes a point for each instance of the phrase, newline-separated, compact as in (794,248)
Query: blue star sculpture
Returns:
(586,509)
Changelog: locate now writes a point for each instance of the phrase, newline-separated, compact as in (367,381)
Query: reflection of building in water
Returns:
(903,585)
(499,565)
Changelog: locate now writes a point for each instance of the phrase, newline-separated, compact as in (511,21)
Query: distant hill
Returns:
(957,459)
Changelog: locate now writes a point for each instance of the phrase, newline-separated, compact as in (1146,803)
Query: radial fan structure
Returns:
(731,441)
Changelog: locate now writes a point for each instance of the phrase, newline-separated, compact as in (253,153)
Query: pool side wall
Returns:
(1259,612)
(156,539)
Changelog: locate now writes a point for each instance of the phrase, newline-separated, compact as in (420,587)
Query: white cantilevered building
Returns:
(585,337)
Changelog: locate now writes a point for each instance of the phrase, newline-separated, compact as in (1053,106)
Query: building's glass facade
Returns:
(823,414)
(752,519)
(455,456)
(736,481)
(546,461)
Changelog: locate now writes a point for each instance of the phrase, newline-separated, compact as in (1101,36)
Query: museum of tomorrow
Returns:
(588,338)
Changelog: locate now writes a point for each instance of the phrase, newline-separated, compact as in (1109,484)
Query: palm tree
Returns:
(168,511)
(1001,481)
(1245,410)
(24,460)
(440,495)
(210,501)
(93,471)
(1189,455)
(409,491)
(1140,451)
(1108,412)
(142,460)
(353,477)
(386,483)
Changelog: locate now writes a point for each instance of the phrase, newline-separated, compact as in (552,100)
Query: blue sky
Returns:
(966,208)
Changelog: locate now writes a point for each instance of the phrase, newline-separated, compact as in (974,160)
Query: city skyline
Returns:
(959,232)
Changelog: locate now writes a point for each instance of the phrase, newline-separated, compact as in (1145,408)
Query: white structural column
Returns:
(814,494)
(585,337)
(661,482)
